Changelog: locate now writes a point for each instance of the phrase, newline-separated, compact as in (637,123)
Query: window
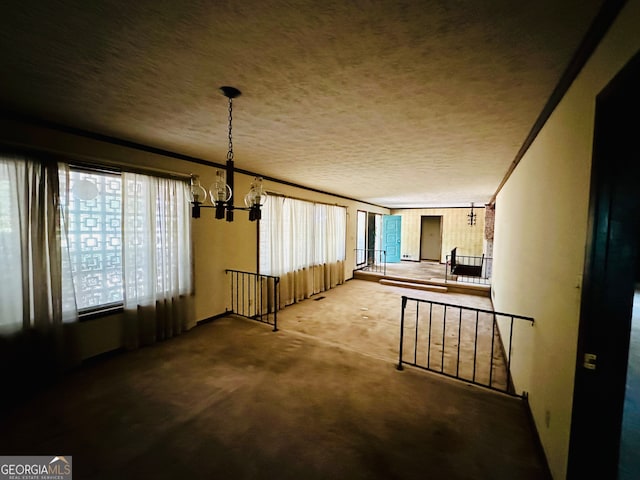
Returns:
(95,239)
(368,237)
(78,240)
(361,238)
(295,234)
(378,231)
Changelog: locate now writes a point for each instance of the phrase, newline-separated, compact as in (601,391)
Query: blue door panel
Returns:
(391,228)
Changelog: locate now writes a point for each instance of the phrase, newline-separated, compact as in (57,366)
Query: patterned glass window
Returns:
(95,237)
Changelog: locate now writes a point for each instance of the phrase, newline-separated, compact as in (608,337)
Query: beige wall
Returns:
(540,235)
(217,245)
(456,232)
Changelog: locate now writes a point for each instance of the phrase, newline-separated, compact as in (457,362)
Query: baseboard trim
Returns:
(211,319)
(536,435)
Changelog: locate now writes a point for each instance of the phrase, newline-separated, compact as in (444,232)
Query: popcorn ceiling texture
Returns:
(402,104)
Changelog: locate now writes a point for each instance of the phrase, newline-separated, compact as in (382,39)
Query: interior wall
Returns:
(217,244)
(540,236)
(456,231)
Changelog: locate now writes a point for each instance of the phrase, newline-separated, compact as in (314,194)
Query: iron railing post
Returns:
(509,354)
(415,340)
(444,331)
(429,341)
(404,305)
(446,269)
(493,338)
(384,262)
(276,305)
(459,341)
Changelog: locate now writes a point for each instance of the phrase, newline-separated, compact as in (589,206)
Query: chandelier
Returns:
(221,190)
(472,216)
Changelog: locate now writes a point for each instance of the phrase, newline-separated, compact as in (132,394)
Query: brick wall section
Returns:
(489,221)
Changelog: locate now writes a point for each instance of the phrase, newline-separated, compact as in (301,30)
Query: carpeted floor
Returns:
(424,270)
(319,399)
(364,316)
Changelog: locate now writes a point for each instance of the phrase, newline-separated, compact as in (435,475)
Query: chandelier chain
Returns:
(230,151)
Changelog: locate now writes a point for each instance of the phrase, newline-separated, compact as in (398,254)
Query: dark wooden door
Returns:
(608,288)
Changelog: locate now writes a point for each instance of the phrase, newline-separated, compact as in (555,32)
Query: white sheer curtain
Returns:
(156,259)
(35,277)
(304,244)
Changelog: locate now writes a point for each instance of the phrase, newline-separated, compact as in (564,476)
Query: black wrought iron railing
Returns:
(474,345)
(254,296)
(469,269)
(371,260)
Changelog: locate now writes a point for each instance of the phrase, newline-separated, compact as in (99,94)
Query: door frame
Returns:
(422,217)
(609,278)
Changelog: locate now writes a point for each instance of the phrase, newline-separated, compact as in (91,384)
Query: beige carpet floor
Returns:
(423,270)
(320,399)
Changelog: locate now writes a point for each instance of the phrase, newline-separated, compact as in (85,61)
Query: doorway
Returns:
(610,276)
(431,238)
(368,238)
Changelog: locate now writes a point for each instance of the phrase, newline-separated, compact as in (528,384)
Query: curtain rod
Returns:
(89,161)
(282,195)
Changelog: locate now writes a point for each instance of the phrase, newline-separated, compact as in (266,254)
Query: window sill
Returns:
(101,311)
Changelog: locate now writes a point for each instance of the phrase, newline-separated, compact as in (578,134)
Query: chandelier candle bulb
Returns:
(197,191)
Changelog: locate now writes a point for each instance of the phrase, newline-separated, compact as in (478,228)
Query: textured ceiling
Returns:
(398,103)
